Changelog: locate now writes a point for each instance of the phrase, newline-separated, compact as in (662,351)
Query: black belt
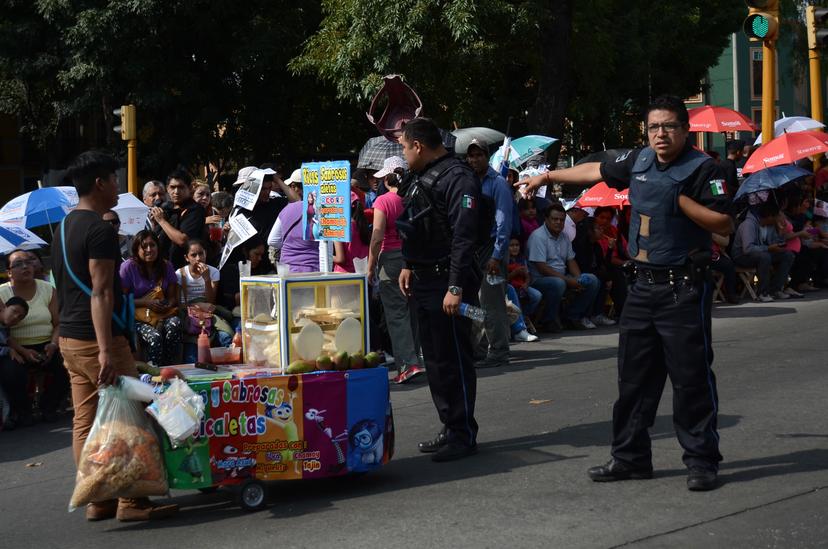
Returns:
(430,268)
(667,275)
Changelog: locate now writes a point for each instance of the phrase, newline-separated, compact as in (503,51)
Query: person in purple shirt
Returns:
(302,256)
(153,282)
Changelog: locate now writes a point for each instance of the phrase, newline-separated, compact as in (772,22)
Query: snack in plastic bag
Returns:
(121,458)
(178,410)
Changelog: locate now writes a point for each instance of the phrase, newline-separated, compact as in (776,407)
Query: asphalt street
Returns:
(543,422)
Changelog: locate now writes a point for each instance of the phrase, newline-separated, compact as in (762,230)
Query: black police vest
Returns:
(660,234)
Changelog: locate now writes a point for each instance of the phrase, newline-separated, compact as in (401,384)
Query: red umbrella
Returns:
(786,149)
(602,195)
(718,119)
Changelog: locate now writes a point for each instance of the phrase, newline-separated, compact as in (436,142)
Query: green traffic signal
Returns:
(759,26)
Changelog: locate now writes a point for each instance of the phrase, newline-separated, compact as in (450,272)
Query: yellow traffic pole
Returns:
(768,89)
(816,94)
(132,167)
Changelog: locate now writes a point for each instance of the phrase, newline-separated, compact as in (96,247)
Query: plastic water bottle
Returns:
(494,279)
(472,312)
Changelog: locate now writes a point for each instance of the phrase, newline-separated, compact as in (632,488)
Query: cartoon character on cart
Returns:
(316,416)
(232,464)
(366,445)
(282,417)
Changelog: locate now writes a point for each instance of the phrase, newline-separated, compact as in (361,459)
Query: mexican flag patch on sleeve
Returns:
(717,187)
(468,202)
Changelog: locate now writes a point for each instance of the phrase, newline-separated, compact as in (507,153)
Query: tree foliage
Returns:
(209,78)
(480,62)
(221,80)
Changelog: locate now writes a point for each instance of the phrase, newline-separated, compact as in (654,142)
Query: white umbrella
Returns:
(13,237)
(132,212)
(792,124)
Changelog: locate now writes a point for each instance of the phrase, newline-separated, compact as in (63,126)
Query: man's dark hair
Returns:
(423,130)
(89,166)
(113,212)
(767,209)
(735,145)
(17,300)
(181,175)
(669,103)
(554,207)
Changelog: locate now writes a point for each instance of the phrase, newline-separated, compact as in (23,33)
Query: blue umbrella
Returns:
(13,237)
(39,207)
(770,178)
(522,149)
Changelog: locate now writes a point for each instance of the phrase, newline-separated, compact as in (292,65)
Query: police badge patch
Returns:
(468,202)
(717,187)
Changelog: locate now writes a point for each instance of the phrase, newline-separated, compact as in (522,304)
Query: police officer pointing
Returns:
(439,230)
(678,198)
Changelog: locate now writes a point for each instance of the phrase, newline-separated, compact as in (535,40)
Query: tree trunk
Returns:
(546,116)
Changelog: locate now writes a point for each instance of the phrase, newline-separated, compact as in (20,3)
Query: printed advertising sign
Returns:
(286,428)
(327,201)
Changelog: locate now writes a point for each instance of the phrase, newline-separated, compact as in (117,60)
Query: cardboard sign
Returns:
(241,230)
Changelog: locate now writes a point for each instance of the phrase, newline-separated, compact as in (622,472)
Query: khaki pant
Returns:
(81,360)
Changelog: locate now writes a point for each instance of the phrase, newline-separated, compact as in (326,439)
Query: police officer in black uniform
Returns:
(679,197)
(439,228)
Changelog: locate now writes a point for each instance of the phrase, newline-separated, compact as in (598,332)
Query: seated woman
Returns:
(37,334)
(152,280)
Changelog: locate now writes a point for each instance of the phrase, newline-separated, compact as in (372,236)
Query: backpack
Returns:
(421,217)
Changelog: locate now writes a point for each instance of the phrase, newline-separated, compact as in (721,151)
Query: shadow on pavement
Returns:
(41,438)
(752,312)
(746,470)
(290,499)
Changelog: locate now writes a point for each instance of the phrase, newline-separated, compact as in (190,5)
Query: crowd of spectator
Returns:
(545,269)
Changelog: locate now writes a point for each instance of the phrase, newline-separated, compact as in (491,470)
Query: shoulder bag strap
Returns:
(120,321)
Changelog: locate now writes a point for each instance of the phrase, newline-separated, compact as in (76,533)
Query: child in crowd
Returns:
(13,378)
(518,290)
(198,283)
(528,220)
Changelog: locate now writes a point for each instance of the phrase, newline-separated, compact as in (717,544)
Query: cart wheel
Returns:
(209,490)
(252,495)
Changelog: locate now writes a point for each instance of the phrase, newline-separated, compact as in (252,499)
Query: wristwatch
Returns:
(455,290)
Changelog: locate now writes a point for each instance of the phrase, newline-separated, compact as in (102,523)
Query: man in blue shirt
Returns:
(495,256)
(554,270)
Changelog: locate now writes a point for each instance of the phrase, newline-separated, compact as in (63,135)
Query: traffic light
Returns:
(762,23)
(127,126)
(816,20)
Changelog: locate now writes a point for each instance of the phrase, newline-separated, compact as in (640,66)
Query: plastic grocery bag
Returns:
(178,410)
(122,457)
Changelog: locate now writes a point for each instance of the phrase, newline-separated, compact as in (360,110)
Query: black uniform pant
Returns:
(446,342)
(666,331)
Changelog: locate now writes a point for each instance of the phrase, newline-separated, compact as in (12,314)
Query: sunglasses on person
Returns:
(23,263)
(115,221)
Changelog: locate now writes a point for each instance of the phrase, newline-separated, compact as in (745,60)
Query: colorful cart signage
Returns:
(327,201)
(286,428)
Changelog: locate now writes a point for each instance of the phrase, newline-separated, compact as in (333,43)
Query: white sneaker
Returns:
(603,320)
(781,295)
(588,324)
(523,335)
(765,298)
(793,293)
